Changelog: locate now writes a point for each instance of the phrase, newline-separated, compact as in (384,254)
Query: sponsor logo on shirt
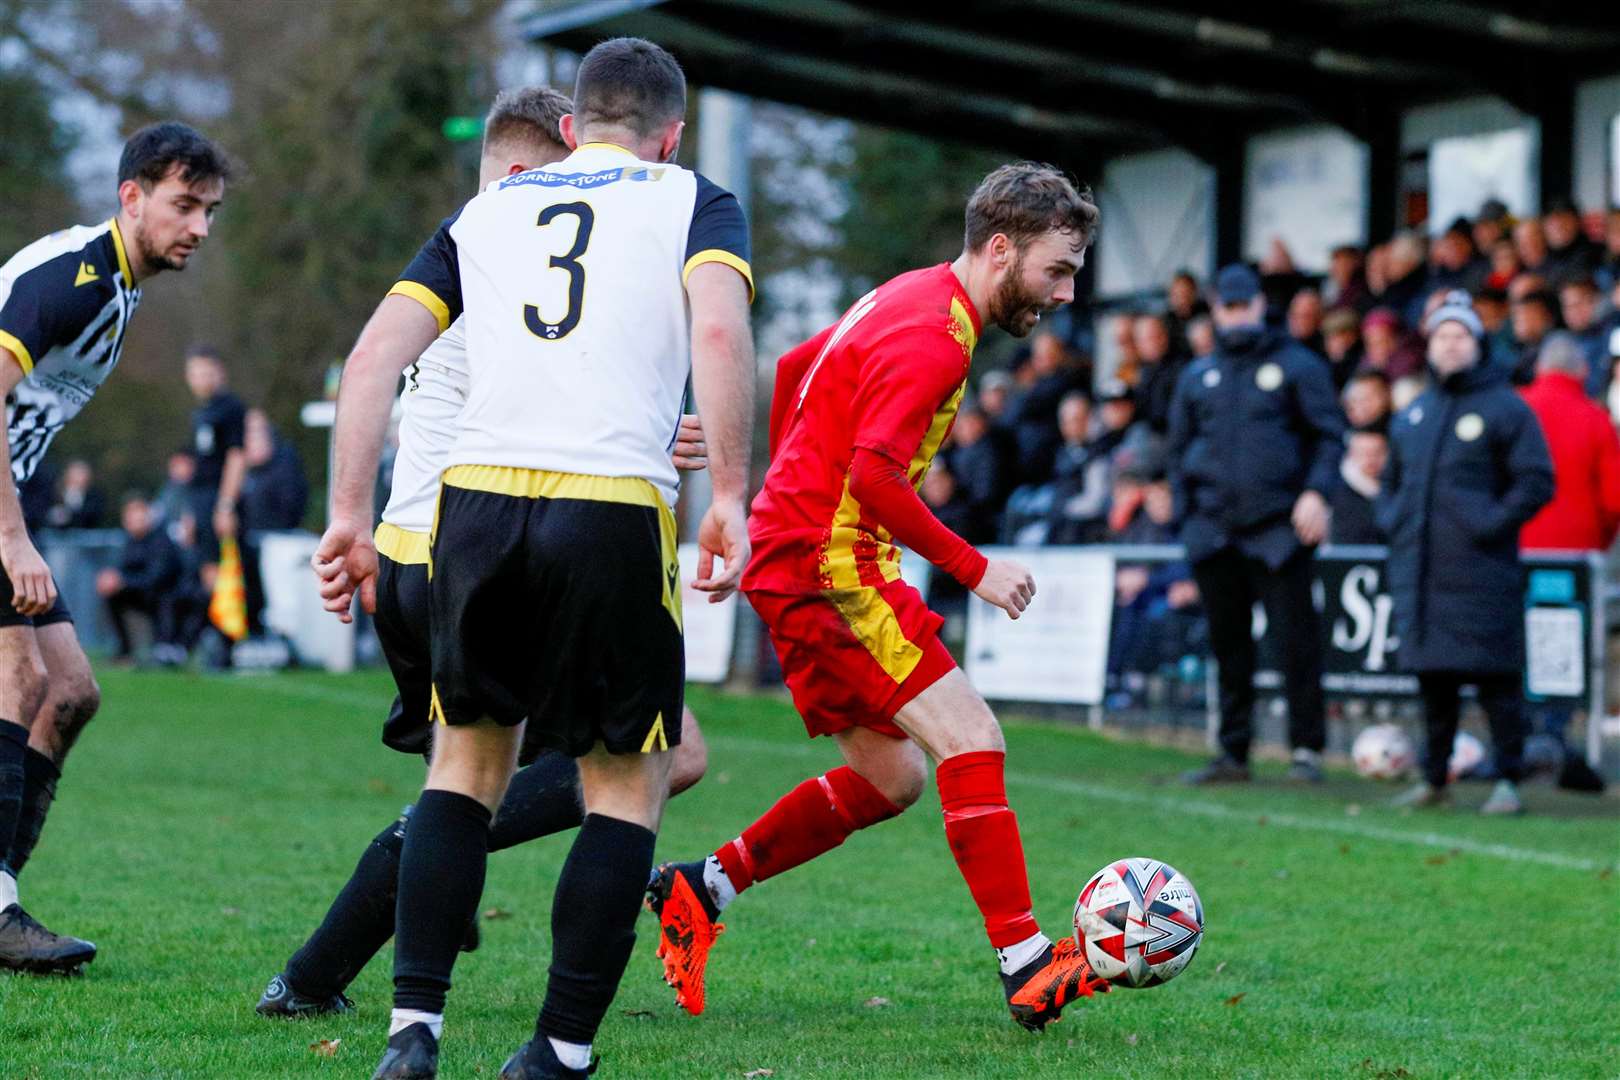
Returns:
(639,174)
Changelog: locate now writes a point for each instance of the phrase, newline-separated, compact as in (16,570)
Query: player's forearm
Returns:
(365,400)
(12,525)
(723,379)
(886,495)
(230,481)
(398,331)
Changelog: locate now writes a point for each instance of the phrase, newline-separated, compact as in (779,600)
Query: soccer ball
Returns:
(1467,754)
(1139,922)
(1383,752)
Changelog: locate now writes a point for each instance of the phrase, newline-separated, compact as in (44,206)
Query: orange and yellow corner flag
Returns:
(227,608)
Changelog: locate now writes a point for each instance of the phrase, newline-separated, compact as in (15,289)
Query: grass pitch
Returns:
(204,823)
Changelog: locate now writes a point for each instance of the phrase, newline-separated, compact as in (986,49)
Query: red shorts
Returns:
(854,657)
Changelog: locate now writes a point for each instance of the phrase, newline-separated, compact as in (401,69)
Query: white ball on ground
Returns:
(1383,752)
(1139,921)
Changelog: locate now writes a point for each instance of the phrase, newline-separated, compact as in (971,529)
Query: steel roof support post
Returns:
(1555,169)
(1228,160)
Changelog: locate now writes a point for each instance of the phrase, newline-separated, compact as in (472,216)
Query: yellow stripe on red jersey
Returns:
(889,378)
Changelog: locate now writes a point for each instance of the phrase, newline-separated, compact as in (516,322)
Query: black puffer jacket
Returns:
(1467,467)
(1250,430)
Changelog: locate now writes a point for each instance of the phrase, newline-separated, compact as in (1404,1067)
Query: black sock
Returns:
(441,877)
(543,799)
(13,779)
(40,775)
(360,921)
(593,925)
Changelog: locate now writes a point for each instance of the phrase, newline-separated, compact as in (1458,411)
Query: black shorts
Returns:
(556,597)
(9,616)
(402,631)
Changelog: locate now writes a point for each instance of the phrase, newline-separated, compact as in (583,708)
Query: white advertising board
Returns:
(1466,170)
(710,628)
(1057,650)
(1307,188)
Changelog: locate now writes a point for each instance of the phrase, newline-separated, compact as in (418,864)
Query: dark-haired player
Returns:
(65,304)
(858,414)
(591,288)
(520,133)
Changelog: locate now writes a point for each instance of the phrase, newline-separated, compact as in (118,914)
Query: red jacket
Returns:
(1585,511)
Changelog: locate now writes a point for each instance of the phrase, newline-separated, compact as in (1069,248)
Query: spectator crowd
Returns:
(233,477)
(1059,449)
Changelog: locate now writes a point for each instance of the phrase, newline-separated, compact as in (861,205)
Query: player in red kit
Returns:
(859,412)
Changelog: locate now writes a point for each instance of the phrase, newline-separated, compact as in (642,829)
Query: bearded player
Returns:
(65,304)
(858,414)
(520,133)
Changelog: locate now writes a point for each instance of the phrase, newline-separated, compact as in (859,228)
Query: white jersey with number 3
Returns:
(572,280)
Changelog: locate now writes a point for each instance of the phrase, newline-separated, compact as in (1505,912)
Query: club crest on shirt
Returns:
(1212,378)
(1470,426)
(1269,377)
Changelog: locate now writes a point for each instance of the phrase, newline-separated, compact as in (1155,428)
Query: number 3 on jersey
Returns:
(569,262)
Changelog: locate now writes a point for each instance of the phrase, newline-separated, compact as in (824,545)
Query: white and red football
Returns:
(1383,752)
(1139,922)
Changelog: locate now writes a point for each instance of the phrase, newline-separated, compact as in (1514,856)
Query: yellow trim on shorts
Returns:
(672,567)
(719,255)
(404,546)
(17,349)
(435,710)
(544,484)
(427,298)
(876,626)
(656,738)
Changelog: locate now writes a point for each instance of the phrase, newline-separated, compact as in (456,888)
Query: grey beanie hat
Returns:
(1458,306)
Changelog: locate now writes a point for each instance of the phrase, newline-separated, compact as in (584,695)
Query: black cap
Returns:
(1237,284)
(1493,210)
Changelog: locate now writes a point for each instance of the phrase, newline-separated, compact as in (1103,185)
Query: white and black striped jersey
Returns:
(65,302)
(578,334)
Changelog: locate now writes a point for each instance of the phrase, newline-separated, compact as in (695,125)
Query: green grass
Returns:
(204,823)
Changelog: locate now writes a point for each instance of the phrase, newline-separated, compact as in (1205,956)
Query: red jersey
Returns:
(886,379)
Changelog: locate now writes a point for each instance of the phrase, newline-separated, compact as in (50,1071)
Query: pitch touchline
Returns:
(1199,808)
(1221,812)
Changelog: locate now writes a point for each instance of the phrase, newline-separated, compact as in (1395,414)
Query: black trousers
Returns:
(159,607)
(1230,583)
(1501,696)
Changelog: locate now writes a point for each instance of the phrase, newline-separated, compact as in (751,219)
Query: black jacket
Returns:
(981,477)
(150,563)
(1467,467)
(1033,421)
(1156,391)
(275,494)
(1355,520)
(1250,430)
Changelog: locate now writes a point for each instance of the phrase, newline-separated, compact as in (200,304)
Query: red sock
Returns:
(813,818)
(983,834)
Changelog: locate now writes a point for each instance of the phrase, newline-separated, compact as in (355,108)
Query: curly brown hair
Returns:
(1027,199)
